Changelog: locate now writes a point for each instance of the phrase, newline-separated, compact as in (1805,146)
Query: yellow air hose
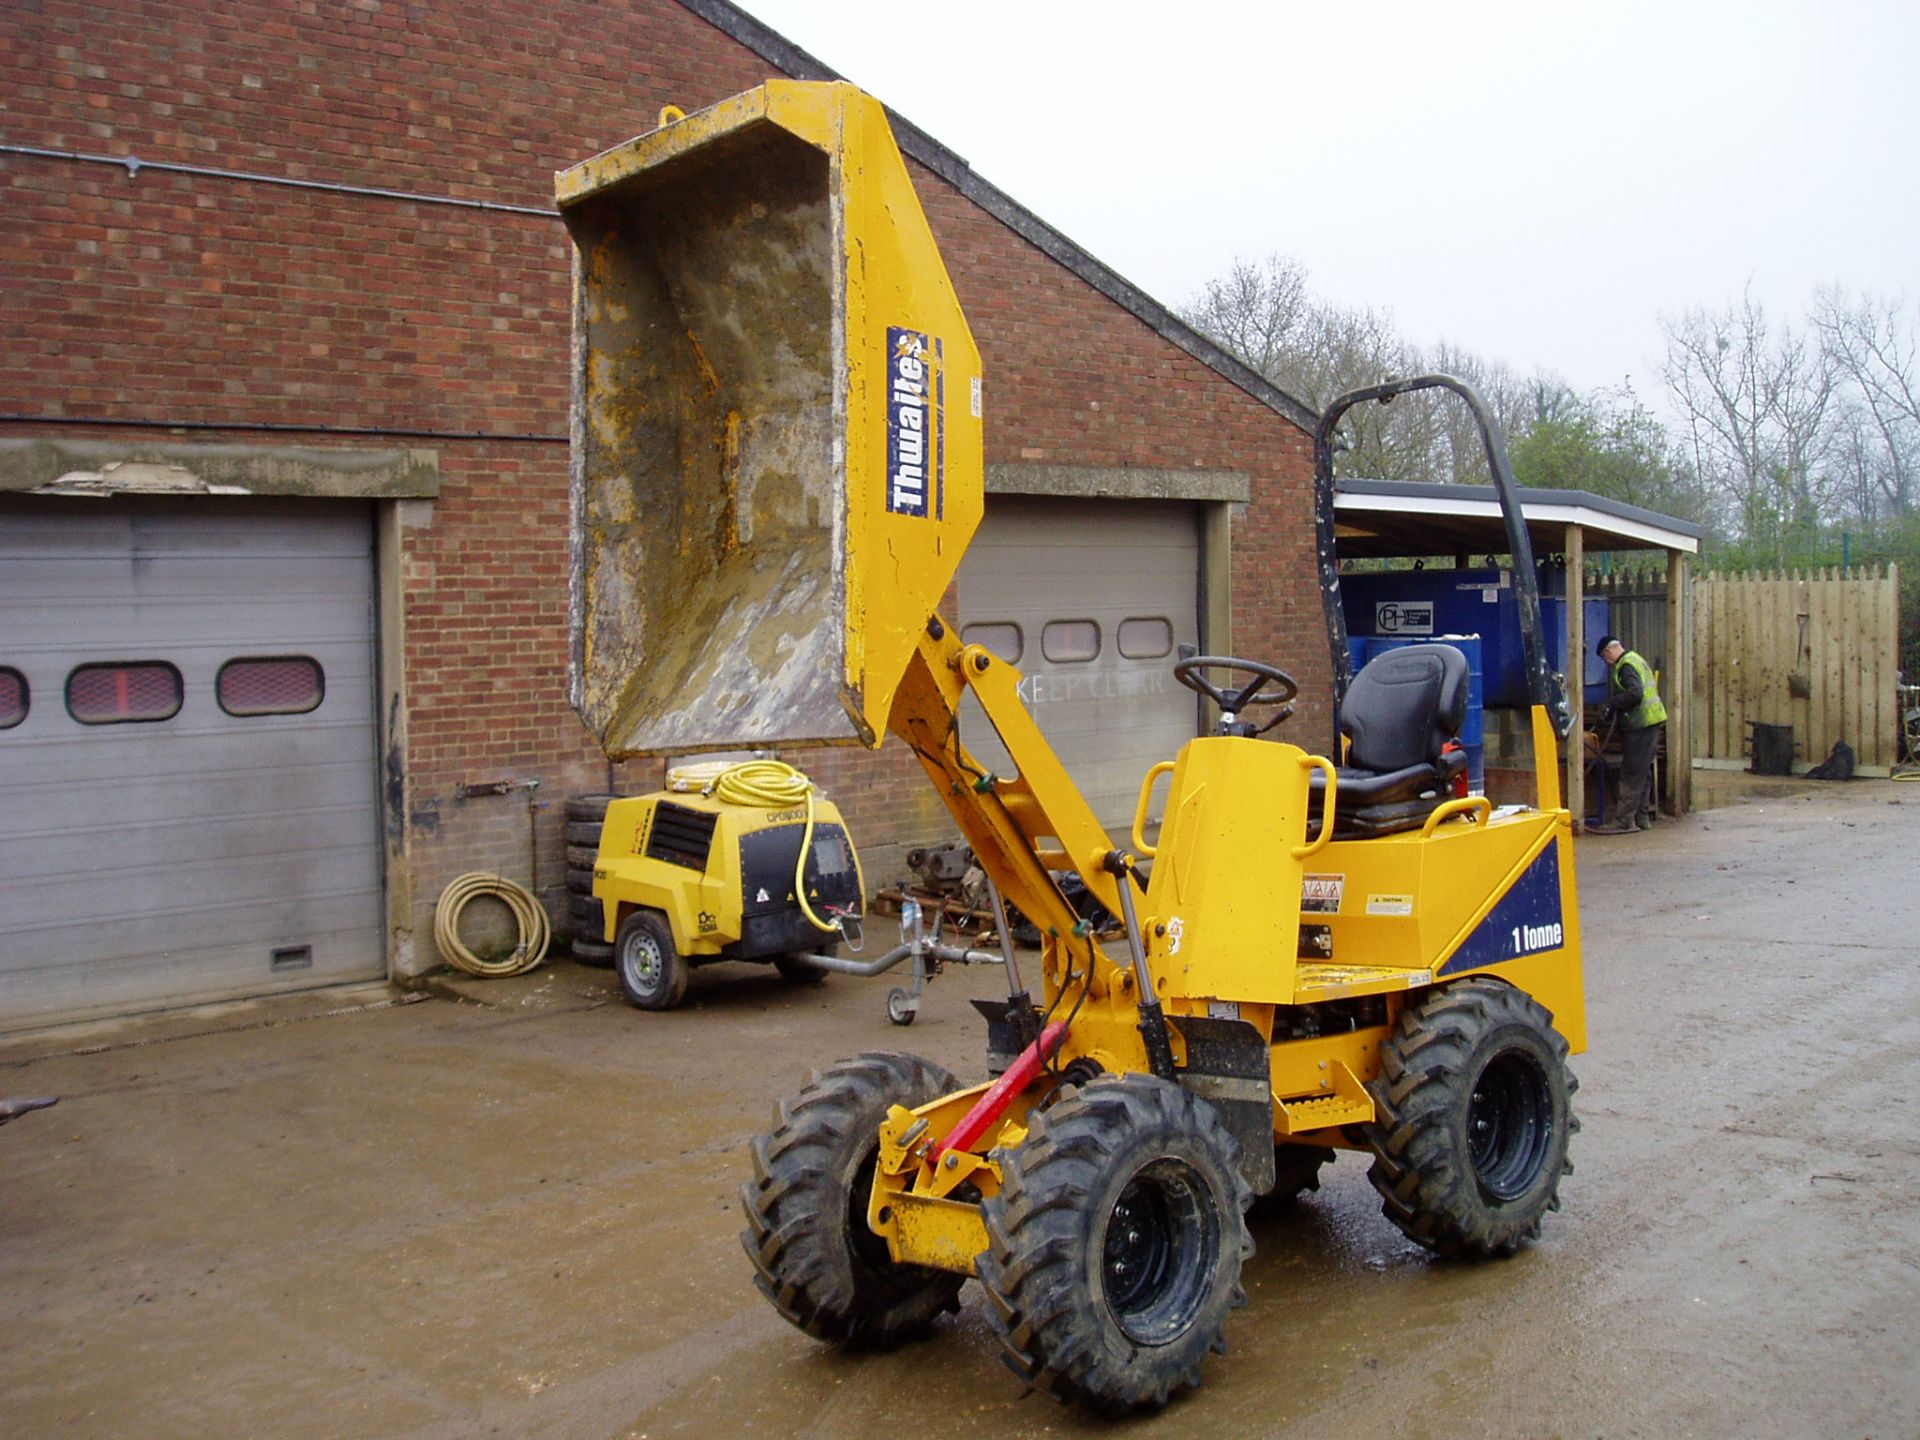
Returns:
(774,785)
(528,914)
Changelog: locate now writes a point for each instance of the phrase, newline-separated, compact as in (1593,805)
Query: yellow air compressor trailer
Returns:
(729,862)
(777,467)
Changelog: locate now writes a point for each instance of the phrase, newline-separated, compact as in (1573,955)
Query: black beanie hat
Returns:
(1605,640)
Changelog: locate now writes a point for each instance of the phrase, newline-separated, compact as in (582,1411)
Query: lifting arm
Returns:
(1019,827)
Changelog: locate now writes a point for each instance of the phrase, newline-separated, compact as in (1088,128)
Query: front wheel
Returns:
(1473,1116)
(652,972)
(814,1255)
(1115,1244)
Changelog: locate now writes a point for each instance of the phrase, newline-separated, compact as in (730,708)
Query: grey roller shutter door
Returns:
(1088,573)
(208,855)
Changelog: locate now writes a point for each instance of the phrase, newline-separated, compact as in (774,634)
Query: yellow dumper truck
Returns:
(776,469)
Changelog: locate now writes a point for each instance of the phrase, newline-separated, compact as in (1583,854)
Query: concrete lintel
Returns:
(63,465)
(1118,482)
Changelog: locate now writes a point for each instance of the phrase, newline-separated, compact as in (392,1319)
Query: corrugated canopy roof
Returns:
(1389,519)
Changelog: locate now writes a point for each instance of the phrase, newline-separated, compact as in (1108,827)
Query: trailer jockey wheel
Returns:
(1233,702)
(1115,1244)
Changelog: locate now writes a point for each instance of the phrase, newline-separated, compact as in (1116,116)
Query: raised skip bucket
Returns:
(776,456)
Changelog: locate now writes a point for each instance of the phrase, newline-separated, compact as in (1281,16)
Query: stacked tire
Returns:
(585,815)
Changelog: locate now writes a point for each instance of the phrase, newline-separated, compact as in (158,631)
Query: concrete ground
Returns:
(514,1213)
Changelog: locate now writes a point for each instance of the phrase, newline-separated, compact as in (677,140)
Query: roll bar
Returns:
(1543,687)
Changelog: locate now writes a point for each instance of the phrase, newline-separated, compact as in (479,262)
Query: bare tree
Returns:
(1263,312)
(1872,343)
(1756,402)
(1256,310)
(1859,460)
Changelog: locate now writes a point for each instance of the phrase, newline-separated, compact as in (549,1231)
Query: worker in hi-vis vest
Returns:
(1635,702)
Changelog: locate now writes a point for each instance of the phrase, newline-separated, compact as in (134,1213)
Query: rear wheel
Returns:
(1115,1244)
(814,1256)
(653,974)
(1473,1116)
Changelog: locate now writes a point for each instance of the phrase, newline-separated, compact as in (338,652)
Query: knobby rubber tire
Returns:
(591,809)
(1067,1324)
(1479,1034)
(652,973)
(813,1255)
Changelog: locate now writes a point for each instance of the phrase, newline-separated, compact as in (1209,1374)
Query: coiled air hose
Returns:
(774,785)
(528,914)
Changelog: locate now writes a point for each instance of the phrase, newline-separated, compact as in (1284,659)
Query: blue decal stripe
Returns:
(1526,921)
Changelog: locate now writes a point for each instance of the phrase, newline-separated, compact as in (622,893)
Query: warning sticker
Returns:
(1320,894)
(1389,904)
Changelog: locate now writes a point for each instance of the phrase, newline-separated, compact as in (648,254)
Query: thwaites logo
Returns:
(915,424)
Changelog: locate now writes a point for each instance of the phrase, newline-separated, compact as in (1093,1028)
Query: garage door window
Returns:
(13,697)
(271,685)
(1067,641)
(122,691)
(999,638)
(1146,638)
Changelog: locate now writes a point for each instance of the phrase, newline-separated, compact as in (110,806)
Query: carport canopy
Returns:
(1393,519)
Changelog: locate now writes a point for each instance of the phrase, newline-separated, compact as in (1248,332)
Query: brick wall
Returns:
(189,299)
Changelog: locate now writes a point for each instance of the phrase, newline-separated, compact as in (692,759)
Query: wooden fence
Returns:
(1817,650)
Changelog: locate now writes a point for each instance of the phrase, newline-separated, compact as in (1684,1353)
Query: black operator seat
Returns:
(1401,712)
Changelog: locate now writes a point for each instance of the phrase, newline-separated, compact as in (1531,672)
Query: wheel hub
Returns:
(1509,1125)
(1158,1254)
(644,961)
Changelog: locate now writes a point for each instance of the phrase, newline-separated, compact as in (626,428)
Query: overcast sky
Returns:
(1535,182)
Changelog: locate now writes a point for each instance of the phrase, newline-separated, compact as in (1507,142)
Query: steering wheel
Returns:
(1232,702)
